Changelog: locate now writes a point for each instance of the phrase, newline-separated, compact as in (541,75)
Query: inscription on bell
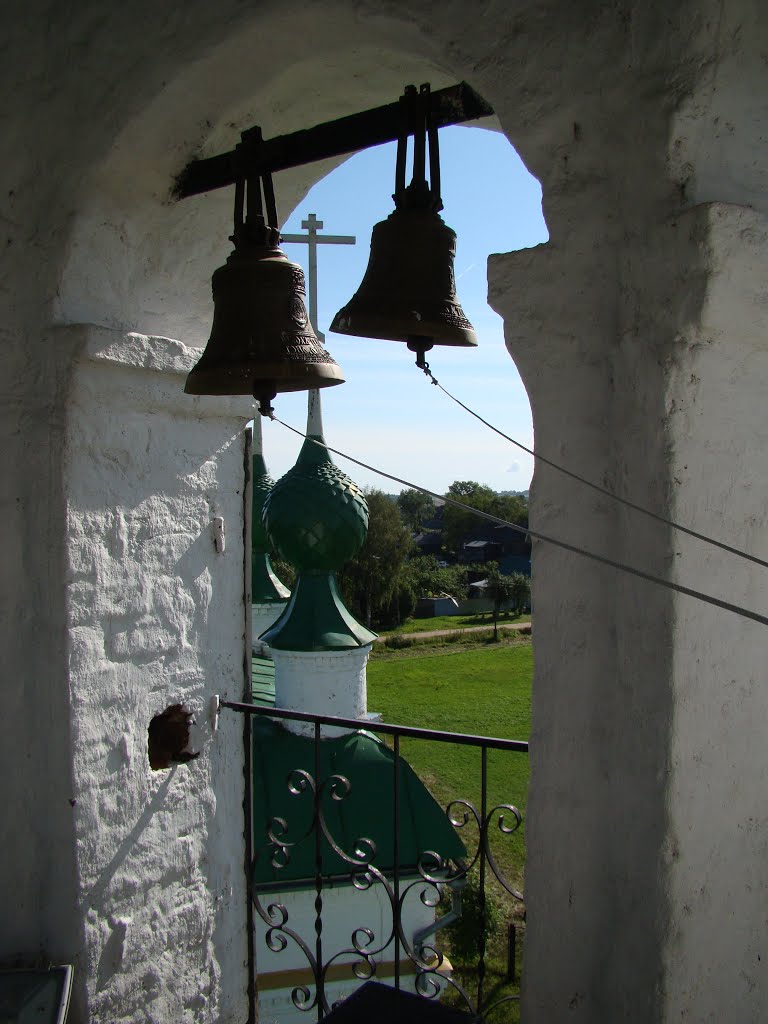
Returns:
(298,282)
(304,348)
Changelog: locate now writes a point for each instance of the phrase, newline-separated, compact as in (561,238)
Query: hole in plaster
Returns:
(168,738)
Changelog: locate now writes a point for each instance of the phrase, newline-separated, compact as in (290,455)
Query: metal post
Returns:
(248,750)
(312,225)
(511,944)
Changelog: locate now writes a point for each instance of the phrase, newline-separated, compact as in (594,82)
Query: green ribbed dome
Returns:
(316,519)
(315,516)
(262,485)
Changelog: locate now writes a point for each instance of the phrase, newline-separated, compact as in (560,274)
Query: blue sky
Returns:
(387,413)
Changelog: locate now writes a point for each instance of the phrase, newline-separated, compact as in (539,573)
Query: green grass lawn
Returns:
(486,691)
(481,691)
(451,622)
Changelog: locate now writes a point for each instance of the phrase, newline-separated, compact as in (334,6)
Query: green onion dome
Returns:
(316,517)
(262,485)
(266,588)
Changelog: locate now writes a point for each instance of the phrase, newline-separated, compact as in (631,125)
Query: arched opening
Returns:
(166,464)
(136,262)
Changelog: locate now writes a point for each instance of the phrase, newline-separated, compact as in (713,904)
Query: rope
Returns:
(594,486)
(698,595)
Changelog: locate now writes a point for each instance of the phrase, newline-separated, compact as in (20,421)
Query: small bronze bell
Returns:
(408,292)
(262,342)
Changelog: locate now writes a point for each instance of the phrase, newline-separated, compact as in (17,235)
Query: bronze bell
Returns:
(408,292)
(262,342)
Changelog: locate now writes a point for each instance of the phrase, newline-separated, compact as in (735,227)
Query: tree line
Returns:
(382,584)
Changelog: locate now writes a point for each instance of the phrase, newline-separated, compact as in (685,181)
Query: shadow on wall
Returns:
(97,898)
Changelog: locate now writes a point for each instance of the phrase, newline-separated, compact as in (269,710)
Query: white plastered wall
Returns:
(155,617)
(716,960)
(157,906)
(321,683)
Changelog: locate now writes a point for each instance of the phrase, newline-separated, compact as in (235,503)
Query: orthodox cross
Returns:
(312,239)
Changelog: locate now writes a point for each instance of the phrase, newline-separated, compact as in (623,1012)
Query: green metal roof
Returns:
(262,484)
(266,588)
(367,811)
(263,681)
(316,518)
(316,619)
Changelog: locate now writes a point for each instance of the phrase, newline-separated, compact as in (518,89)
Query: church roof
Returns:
(365,812)
(316,619)
(263,681)
(315,515)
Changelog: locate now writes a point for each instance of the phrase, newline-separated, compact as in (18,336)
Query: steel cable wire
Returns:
(596,487)
(575,549)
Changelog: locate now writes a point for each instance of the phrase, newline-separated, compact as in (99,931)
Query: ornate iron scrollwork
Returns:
(435,877)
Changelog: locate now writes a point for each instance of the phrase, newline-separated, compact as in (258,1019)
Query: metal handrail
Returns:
(427,878)
(387,729)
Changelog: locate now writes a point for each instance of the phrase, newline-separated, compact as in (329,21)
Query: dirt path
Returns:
(428,634)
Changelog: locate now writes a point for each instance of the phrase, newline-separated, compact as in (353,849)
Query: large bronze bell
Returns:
(262,342)
(409,289)
(408,292)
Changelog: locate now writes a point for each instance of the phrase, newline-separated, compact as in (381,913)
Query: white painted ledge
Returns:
(128,351)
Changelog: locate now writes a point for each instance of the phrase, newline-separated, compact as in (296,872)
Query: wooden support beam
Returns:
(454,105)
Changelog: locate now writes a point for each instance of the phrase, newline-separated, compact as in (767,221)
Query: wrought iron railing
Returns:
(341,826)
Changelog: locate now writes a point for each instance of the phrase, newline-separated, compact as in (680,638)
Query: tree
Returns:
(497,590)
(513,590)
(371,580)
(429,579)
(415,508)
(512,507)
(482,916)
(520,596)
(464,488)
(458,522)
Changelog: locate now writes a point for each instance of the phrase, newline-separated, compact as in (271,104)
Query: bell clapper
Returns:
(419,344)
(264,401)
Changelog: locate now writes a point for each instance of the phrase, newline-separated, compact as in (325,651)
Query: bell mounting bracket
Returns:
(253,192)
(416,120)
(256,157)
